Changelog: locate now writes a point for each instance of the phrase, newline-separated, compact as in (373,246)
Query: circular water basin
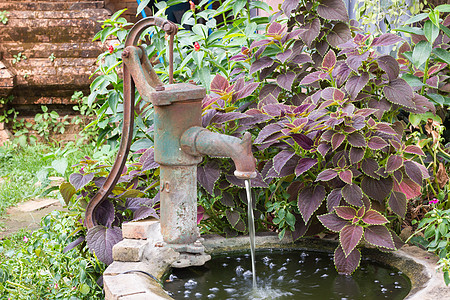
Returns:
(286,274)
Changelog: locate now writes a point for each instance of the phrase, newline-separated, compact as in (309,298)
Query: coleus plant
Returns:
(333,104)
(133,198)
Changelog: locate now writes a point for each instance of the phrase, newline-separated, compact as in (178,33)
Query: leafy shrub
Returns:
(34,266)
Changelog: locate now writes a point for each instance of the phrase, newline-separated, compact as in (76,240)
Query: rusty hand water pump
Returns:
(180,142)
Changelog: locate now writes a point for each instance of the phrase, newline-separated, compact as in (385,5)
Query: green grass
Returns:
(19,167)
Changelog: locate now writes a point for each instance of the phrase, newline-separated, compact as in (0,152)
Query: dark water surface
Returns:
(286,275)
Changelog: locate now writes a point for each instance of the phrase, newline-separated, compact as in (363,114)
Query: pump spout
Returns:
(198,141)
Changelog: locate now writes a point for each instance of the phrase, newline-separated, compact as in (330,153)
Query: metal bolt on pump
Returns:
(180,143)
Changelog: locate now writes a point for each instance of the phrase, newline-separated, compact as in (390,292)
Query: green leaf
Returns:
(84,289)
(443,8)
(412,80)
(60,165)
(421,53)
(434,17)
(446,278)
(445,29)
(117,14)
(113,100)
(417,18)
(141,144)
(437,99)
(442,54)
(412,30)
(431,31)
(290,219)
(238,6)
(415,120)
(205,77)
(67,191)
(141,6)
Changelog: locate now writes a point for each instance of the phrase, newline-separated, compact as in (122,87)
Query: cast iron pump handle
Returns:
(148,79)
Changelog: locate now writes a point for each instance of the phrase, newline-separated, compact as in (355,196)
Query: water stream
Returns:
(251,229)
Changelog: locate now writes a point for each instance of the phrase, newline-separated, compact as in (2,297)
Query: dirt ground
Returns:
(27,215)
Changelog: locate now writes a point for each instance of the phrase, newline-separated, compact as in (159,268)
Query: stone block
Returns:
(140,230)
(120,267)
(132,286)
(129,250)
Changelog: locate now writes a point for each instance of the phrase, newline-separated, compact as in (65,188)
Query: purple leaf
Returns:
(352,193)
(281,159)
(355,84)
(356,155)
(393,163)
(104,213)
(144,212)
(372,217)
(349,237)
(219,84)
(377,189)
(332,222)
(266,132)
(376,143)
(310,78)
(386,39)
(397,202)
(248,89)
(227,199)
(101,240)
(411,149)
(337,140)
(259,64)
(385,128)
(311,32)
(354,60)
(341,72)
(302,59)
(333,10)
(79,181)
(269,93)
(334,199)
(378,235)
(283,56)
(356,139)
(346,176)
(207,175)
(232,216)
(409,188)
(346,265)
(73,244)
(134,204)
(304,164)
(303,141)
(326,175)
(369,166)
(285,80)
(323,148)
(288,6)
(333,94)
(275,28)
(149,163)
(389,65)
(398,91)
(340,34)
(309,200)
(226,117)
(255,182)
(259,43)
(345,212)
(329,61)
(413,171)
(300,227)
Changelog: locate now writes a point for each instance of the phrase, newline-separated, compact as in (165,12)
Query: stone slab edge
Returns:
(417,264)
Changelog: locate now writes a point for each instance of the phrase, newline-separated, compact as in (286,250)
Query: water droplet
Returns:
(214,289)
(384,290)
(293,281)
(398,286)
(230,291)
(288,259)
(271,265)
(281,278)
(198,295)
(210,296)
(172,277)
(376,281)
(392,274)
(282,269)
(238,259)
(190,284)
(266,260)
(317,259)
(187,292)
(247,255)
(224,264)
(239,270)
(248,273)
(395,282)
(399,272)
(233,279)
(324,276)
